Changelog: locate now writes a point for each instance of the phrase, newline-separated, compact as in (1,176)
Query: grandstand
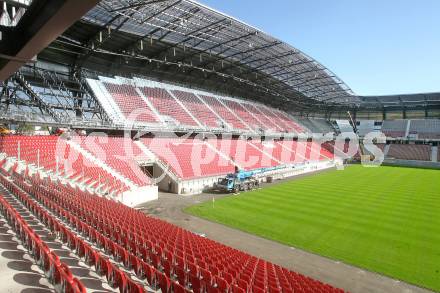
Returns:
(130,101)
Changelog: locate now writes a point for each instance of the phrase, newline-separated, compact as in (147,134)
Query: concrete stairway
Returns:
(434,154)
(408,127)
(102,164)
(386,150)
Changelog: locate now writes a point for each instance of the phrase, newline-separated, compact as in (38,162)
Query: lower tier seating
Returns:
(410,152)
(120,153)
(194,158)
(138,253)
(55,154)
(57,272)
(189,158)
(114,161)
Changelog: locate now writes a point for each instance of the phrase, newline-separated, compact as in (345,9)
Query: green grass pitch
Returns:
(384,219)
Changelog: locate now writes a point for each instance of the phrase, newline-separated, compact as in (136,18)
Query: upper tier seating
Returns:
(131,104)
(183,106)
(429,128)
(394,128)
(166,105)
(286,120)
(284,123)
(317,125)
(224,112)
(410,152)
(244,115)
(160,254)
(268,124)
(189,158)
(198,109)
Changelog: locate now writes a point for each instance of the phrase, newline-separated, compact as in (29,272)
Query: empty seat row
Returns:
(54,154)
(182,261)
(185,107)
(394,128)
(193,158)
(57,272)
(120,153)
(131,104)
(410,152)
(244,115)
(225,113)
(167,106)
(189,158)
(199,109)
(79,237)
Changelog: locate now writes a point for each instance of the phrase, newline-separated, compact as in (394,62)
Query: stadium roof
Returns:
(200,46)
(403,100)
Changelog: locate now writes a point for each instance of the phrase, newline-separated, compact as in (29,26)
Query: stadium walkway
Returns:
(169,207)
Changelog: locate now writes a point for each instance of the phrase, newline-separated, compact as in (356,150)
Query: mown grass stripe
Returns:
(384,219)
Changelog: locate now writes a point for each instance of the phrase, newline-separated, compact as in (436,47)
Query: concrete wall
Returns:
(198,186)
(412,164)
(141,195)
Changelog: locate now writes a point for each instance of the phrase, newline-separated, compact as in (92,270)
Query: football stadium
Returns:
(164,146)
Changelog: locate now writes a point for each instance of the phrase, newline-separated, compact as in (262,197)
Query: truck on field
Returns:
(242,180)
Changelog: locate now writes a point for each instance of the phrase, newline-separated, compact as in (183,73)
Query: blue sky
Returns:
(376,46)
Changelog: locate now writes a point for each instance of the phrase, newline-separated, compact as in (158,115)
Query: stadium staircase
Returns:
(386,150)
(434,153)
(103,165)
(264,151)
(150,105)
(222,155)
(184,108)
(212,111)
(155,159)
(224,103)
(408,127)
